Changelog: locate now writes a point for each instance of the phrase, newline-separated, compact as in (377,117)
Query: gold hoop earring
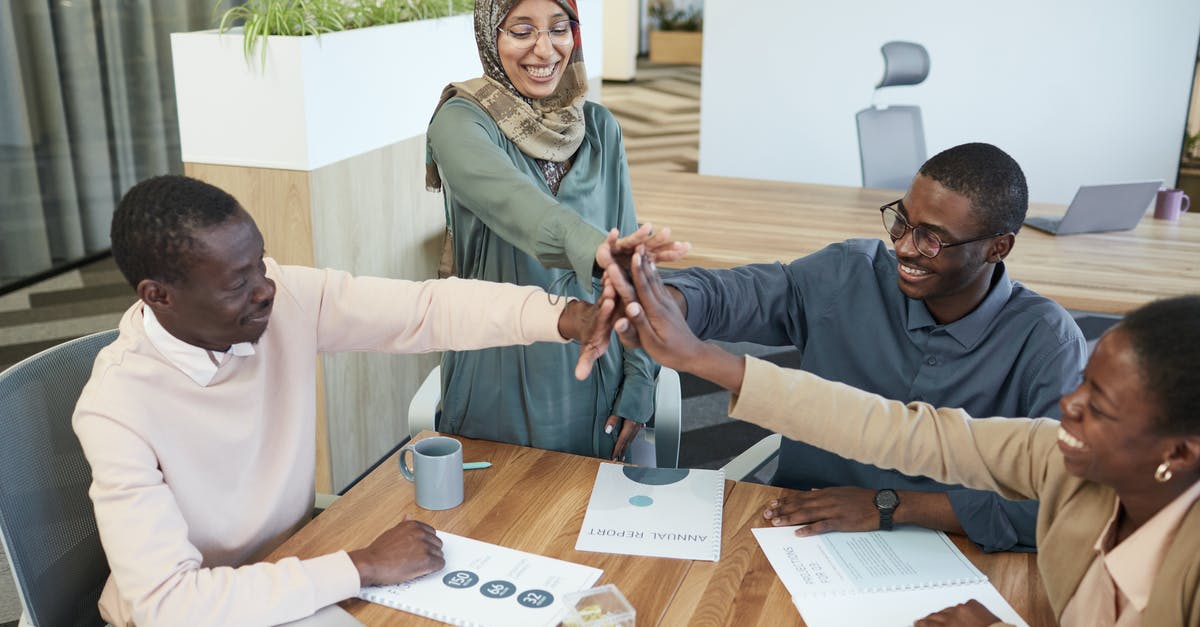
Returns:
(1163,473)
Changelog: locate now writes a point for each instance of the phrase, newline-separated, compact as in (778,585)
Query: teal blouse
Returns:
(508,227)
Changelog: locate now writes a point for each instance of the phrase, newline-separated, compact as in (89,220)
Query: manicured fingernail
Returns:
(608,428)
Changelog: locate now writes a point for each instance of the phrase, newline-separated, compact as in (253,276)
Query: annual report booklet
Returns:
(659,512)
(876,577)
(488,585)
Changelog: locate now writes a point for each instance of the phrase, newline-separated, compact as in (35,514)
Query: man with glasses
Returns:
(937,319)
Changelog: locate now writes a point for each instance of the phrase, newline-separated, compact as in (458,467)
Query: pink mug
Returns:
(1170,204)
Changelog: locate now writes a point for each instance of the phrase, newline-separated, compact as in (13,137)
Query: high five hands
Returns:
(649,318)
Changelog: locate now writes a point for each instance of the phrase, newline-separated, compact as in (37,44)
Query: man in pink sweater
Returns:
(199,420)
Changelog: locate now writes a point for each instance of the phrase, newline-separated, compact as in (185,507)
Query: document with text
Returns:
(894,577)
(659,512)
(487,584)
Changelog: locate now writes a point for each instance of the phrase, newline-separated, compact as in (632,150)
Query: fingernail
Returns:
(776,521)
(608,428)
(635,309)
(620,325)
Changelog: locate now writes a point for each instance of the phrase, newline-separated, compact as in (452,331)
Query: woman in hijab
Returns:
(534,178)
(1118,531)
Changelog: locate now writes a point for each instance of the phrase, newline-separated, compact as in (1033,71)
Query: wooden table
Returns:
(731,222)
(534,500)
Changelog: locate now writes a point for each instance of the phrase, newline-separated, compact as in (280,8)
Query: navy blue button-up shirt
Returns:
(1013,355)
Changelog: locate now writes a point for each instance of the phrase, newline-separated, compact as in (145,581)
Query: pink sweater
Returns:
(193,485)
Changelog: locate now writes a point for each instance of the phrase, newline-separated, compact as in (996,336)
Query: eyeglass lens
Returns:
(525,35)
(926,243)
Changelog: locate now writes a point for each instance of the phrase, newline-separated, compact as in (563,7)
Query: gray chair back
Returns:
(46,517)
(891,145)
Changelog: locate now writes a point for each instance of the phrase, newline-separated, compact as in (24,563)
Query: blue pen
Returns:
(476,465)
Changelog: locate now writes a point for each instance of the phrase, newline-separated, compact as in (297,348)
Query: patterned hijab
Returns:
(550,129)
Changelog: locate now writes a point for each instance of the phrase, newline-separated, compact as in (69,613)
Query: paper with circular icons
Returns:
(487,584)
(658,512)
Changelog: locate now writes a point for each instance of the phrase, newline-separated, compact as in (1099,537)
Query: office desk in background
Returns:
(534,500)
(731,222)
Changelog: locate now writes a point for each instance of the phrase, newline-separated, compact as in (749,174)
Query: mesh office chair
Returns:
(891,139)
(656,447)
(46,518)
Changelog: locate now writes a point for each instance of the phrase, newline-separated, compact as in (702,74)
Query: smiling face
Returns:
(957,279)
(226,298)
(536,71)
(1109,432)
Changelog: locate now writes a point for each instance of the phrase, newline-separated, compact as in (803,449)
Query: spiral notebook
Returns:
(659,512)
(894,577)
(485,584)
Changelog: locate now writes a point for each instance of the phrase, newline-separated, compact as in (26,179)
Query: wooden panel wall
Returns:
(372,216)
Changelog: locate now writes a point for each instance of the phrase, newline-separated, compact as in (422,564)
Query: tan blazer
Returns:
(1018,458)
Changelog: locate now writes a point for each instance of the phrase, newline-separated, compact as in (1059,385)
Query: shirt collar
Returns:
(199,364)
(1134,563)
(970,328)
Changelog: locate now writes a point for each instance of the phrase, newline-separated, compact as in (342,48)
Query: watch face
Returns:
(886,499)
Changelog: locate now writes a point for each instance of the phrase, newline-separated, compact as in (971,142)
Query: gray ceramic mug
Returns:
(437,469)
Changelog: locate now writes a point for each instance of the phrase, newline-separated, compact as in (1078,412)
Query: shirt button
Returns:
(931,360)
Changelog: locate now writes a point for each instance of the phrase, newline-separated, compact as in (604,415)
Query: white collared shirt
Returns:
(1116,588)
(199,364)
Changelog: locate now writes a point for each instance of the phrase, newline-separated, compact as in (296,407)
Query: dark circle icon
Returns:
(460,579)
(655,476)
(535,598)
(498,589)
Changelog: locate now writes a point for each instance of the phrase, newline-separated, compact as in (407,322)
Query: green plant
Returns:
(667,17)
(260,19)
(1191,146)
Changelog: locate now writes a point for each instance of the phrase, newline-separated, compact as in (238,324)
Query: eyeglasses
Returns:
(926,242)
(525,36)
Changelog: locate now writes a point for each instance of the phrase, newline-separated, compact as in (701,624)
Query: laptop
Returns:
(1097,208)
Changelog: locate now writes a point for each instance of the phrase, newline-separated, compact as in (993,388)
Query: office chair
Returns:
(46,518)
(653,447)
(891,139)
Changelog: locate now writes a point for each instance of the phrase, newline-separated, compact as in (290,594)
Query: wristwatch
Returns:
(886,501)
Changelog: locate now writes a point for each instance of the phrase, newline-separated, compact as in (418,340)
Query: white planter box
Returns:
(319,99)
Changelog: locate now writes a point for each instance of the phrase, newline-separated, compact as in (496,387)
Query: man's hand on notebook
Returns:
(404,552)
(845,508)
(969,614)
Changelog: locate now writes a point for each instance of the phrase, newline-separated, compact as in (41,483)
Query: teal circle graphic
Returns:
(641,500)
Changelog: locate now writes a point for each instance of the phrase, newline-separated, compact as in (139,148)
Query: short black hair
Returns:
(989,178)
(1165,335)
(153,225)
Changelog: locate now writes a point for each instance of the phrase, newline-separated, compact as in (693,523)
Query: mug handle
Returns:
(404,468)
(1187,202)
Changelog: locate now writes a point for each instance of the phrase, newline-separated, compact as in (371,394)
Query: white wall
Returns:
(620,39)
(1078,91)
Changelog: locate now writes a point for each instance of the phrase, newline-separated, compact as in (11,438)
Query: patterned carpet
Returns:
(659,112)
